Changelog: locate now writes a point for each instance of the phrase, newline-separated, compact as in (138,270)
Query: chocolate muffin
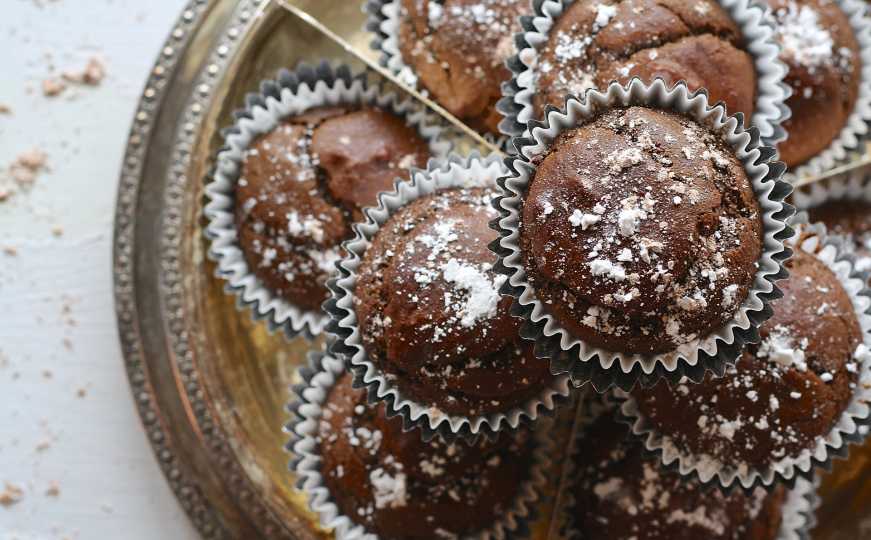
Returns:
(595,42)
(784,394)
(458,48)
(619,495)
(399,487)
(430,313)
(850,219)
(820,49)
(640,232)
(303,184)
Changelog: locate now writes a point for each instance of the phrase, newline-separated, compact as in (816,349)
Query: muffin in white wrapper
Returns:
(757,40)
(290,95)
(678,507)
(309,409)
(690,355)
(544,392)
(767,404)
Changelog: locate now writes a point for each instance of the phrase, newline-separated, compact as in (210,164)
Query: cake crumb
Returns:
(27,166)
(52,87)
(11,494)
(81,392)
(53,489)
(57,231)
(92,74)
(11,251)
(5,109)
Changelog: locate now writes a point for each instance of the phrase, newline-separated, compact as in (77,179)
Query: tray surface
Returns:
(210,384)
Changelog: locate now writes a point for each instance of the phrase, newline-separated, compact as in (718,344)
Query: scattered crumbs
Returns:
(92,74)
(81,392)
(68,344)
(53,489)
(11,494)
(5,109)
(52,87)
(23,172)
(57,231)
(10,251)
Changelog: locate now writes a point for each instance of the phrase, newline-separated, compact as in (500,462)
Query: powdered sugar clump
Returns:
(482,298)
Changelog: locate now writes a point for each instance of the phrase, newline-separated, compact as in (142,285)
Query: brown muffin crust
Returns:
(303,184)
(458,49)
(640,231)
(430,313)
(621,496)
(594,43)
(399,487)
(850,219)
(784,393)
(821,51)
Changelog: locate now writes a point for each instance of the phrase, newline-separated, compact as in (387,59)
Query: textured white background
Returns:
(93,446)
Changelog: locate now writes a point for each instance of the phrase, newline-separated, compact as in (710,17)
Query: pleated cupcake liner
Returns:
(756,27)
(453,172)
(850,428)
(856,129)
(306,408)
(289,94)
(798,511)
(855,186)
(604,368)
(383,20)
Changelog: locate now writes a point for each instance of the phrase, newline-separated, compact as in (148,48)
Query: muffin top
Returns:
(621,496)
(458,48)
(398,486)
(784,394)
(595,42)
(640,231)
(820,49)
(303,184)
(850,219)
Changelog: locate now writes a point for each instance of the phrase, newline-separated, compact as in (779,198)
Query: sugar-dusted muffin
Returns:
(458,48)
(621,496)
(399,487)
(595,42)
(783,395)
(850,219)
(430,313)
(303,184)
(640,231)
(820,49)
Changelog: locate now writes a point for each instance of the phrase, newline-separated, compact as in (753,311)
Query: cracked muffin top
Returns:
(595,42)
(430,312)
(457,50)
(640,231)
(784,394)
(820,49)
(302,185)
(400,487)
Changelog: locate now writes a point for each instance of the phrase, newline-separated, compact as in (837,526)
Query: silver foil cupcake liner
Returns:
(291,93)
(851,427)
(721,347)
(856,128)
(383,19)
(472,171)
(306,408)
(855,186)
(798,511)
(770,110)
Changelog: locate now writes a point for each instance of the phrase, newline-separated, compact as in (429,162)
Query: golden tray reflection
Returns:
(211,385)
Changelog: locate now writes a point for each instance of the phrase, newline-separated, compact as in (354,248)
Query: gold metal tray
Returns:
(211,385)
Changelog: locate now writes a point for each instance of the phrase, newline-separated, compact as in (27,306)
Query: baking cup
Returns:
(291,93)
(608,368)
(856,128)
(798,509)
(849,428)
(756,27)
(383,20)
(455,171)
(306,408)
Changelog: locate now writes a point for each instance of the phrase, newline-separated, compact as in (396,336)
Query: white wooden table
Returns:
(66,414)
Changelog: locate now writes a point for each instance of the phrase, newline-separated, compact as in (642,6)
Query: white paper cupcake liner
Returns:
(473,171)
(798,511)
(290,94)
(604,368)
(306,409)
(857,126)
(770,110)
(835,444)
(383,22)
